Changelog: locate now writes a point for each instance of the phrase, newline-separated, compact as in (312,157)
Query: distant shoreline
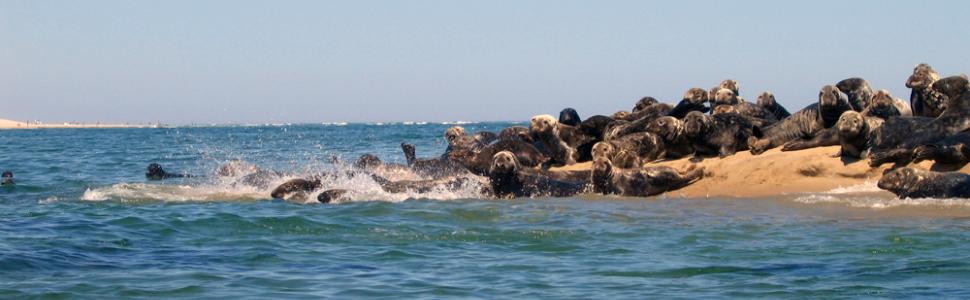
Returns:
(10,124)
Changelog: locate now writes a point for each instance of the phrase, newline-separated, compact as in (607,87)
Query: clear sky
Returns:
(330,61)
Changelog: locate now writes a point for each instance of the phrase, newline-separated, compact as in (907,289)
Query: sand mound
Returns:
(776,172)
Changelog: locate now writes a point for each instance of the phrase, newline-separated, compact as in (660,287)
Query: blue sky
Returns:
(328,61)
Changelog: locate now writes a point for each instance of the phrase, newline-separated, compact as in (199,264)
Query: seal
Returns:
(650,112)
(952,150)
(854,130)
(767,101)
(621,115)
(596,126)
(447,165)
(896,140)
(723,109)
(154,171)
(671,131)
(516,133)
(732,85)
(7,178)
(643,182)
(924,101)
(724,96)
(507,181)
(858,91)
(334,195)
(644,103)
(546,129)
(569,116)
(908,182)
(884,106)
(478,162)
(806,125)
(721,134)
(632,150)
(295,189)
(694,99)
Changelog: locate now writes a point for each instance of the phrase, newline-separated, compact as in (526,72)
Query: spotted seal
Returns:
(924,101)
(721,134)
(908,182)
(806,127)
(640,182)
(857,90)
(694,99)
(767,101)
(507,180)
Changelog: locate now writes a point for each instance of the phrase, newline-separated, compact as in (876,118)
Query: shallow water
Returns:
(83,221)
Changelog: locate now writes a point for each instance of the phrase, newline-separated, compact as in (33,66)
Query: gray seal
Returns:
(910,182)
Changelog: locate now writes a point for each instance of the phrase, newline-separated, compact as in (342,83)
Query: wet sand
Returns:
(775,172)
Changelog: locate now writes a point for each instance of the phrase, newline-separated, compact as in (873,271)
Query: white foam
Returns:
(876,202)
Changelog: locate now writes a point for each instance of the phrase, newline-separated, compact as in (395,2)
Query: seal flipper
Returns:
(409,153)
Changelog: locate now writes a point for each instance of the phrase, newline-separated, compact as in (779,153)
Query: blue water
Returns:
(82,221)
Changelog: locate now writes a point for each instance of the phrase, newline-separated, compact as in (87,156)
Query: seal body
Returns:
(910,182)
(640,182)
(720,134)
(858,91)
(767,101)
(695,99)
(506,180)
(807,124)
(924,101)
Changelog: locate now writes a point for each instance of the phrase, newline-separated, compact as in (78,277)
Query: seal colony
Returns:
(686,148)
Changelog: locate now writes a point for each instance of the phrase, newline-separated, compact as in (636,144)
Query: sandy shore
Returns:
(775,172)
(9,124)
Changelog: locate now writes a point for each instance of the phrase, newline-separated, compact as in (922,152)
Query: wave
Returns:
(242,188)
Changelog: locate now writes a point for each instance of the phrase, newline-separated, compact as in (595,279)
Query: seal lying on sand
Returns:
(895,141)
(767,101)
(807,125)
(695,99)
(507,180)
(954,150)
(910,182)
(632,150)
(854,130)
(924,101)
(546,129)
(641,182)
(857,90)
(671,131)
(155,172)
(720,134)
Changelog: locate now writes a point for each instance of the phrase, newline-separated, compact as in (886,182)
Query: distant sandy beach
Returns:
(10,124)
(775,172)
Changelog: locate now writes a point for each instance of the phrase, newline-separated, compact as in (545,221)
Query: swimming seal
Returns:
(154,171)
(643,182)
(910,182)
(7,178)
(295,189)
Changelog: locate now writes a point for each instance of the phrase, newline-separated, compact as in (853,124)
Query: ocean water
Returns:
(84,222)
